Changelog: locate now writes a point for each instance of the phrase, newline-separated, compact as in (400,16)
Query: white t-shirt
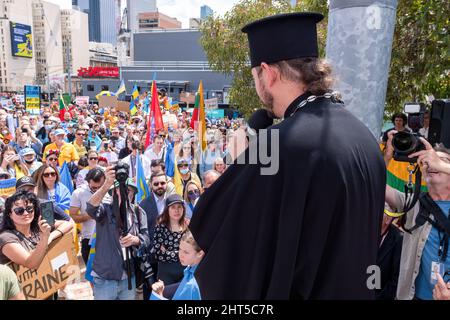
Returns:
(79,199)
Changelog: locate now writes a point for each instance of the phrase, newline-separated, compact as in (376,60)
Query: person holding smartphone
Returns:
(25,236)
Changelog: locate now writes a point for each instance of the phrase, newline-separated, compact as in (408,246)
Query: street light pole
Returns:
(69,71)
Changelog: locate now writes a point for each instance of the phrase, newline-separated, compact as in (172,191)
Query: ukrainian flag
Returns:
(143,190)
(105,93)
(134,100)
(121,89)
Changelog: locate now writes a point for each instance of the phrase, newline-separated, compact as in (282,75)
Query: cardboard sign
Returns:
(123,106)
(56,270)
(187,97)
(211,103)
(105,101)
(7,187)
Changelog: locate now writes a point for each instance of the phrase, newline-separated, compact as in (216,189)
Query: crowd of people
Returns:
(91,142)
(209,231)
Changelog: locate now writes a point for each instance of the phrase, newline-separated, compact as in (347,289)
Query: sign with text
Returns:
(59,267)
(99,72)
(82,100)
(32,99)
(21,40)
(211,103)
(215,113)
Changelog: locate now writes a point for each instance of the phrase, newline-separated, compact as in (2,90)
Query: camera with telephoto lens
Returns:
(406,143)
(121,170)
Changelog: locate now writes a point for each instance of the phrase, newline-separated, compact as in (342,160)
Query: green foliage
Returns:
(419,62)
(420,53)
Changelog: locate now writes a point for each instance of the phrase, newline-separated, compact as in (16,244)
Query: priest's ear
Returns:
(268,74)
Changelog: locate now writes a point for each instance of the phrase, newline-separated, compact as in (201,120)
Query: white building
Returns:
(15,71)
(135,8)
(48,42)
(75,37)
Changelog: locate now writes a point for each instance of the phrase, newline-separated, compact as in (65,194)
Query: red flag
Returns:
(155,120)
(195,114)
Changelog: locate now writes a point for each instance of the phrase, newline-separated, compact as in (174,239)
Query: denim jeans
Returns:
(113,289)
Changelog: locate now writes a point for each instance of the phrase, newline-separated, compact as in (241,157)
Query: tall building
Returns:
(75,37)
(47,41)
(135,7)
(16,68)
(103,16)
(205,12)
(102,55)
(157,20)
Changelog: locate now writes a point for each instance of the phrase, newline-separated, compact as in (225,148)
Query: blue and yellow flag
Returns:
(135,92)
(66,178)
(143,190)
(87,274)
(133,108)
(121,89)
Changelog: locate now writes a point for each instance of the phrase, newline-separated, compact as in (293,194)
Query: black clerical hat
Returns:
(283,37)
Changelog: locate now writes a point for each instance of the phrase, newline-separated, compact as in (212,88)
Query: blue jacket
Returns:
(62,196)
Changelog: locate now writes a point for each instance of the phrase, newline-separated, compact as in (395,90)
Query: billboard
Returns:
(33,99)
(21,40)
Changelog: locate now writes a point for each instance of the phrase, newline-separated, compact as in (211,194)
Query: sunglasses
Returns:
(49,174)
(183,166)
(155,184)
(52,159)
(20,210)
(192,192)
(93,158)
(81,134)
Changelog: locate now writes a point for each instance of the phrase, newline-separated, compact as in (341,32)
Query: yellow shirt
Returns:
(67,153)
(81,150)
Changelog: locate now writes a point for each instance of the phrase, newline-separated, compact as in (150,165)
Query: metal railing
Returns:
(169,65)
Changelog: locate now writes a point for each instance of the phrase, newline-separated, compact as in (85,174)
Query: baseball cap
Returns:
(26,151)
(59,132)
(25,181)
(174,198)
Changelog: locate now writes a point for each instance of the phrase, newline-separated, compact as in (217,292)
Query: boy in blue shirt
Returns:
(190,255)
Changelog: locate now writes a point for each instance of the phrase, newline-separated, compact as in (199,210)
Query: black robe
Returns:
(308,232)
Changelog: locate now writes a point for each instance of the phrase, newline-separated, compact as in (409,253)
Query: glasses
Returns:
(52,159)
(162,183)
(93,159)
(81,134)
(49,174)
(183,166)
(192,192)
(20,210)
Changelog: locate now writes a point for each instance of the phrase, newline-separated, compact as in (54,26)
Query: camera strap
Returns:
(412,191)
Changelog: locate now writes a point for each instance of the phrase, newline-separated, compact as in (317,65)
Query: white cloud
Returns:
(183,10)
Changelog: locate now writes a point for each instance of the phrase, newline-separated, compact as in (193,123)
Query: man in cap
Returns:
(67,152)
(25,183)
(28,157)
(311,229)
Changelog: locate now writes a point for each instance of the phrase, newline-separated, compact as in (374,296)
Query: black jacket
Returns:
(151,210)
(309,231)
(388,260)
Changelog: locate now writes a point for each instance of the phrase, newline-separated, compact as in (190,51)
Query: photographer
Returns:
(118,230)
(425,247)
(131,160)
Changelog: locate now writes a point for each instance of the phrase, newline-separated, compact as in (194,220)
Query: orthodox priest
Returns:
(311,230)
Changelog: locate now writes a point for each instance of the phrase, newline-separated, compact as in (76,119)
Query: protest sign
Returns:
(33,99)
(82,100)
(211,103)
(59,267)
(107,101)
(123,106)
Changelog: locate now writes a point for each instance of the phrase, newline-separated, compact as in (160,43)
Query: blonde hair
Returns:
(189,238)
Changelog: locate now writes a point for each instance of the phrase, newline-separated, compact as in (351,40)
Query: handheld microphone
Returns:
(260,119)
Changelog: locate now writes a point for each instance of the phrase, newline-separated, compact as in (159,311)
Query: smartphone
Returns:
(47,212)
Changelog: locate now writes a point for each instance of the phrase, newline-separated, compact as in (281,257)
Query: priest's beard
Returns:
(267,99)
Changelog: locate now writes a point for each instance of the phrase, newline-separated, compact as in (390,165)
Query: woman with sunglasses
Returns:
(92,157)
(10,163)
(192,193)
(25,236)
(50,188)
(51,158)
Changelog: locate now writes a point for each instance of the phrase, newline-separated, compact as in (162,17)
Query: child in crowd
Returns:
(190,255)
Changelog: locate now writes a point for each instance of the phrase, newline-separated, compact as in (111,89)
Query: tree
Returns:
(419,62)
(227,47)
